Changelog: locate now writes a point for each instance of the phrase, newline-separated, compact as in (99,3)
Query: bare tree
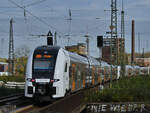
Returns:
(23,51)
(21,60)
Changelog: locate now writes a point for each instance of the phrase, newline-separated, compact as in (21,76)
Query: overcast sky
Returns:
(88,16)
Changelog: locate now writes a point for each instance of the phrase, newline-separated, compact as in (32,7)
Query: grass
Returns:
(134,89)
(12,78)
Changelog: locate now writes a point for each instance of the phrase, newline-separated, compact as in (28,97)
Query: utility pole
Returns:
(147,44)
(69,19)
(143,56)
(55,38)
(87,42)
(133,43)
(139,42)
(11,50)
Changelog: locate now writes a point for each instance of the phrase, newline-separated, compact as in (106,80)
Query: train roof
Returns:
(83,59)
(73,56)
(103,64)
(77,58)
(45,47)
(52,49)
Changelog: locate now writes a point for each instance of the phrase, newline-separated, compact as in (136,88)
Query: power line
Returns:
(7,7)
(28,5)
(35,3)
(39,19)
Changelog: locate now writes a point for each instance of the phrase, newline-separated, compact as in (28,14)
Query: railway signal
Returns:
(49,38)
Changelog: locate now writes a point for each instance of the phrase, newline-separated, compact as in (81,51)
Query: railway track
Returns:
(65,105)
(8,99)
(69,104)
(13,102)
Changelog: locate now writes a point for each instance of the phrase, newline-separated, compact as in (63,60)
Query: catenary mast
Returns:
(11,50)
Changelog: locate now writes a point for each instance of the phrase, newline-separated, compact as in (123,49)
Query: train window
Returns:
(66,67)
(42,65)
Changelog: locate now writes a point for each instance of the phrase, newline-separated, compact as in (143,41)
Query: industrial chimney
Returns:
(133,43)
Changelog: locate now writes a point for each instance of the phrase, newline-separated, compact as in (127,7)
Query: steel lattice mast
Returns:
(11,50)
(114,18)
(113,28)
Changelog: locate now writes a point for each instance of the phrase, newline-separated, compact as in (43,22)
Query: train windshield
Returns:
(43,66)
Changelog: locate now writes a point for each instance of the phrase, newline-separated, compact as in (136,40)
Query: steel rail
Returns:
(6,99)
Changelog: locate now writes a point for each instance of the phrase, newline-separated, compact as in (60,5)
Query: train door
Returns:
(66,76)
(72,76)
(66,72)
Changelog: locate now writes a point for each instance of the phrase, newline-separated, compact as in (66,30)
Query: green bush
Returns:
(12,78)
(125,90)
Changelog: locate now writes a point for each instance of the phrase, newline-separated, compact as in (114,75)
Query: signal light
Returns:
(32,80)
(47,56)
(99,41)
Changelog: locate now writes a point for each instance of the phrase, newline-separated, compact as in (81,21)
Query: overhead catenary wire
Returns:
(36,17)
(60,34)
(39,19)
(28,5)
(6,7)
(35,3)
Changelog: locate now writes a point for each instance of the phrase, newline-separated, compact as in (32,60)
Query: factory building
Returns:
(80,48)
(117,48)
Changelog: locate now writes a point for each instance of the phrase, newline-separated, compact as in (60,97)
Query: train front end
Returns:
(40,73)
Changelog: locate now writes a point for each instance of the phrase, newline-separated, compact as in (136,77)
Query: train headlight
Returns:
(52,81)
(32,80)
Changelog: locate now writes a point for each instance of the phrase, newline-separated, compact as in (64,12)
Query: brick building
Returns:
(116,48)
(142,61)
